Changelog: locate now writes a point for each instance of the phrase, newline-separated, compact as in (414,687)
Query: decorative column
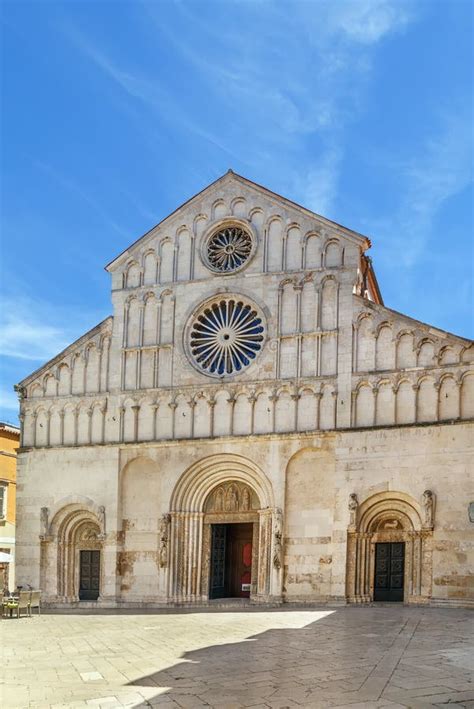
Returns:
(252,399)
(135,409)
(155,408)
(296,398)
(61,427)
(212,404)
(375,391)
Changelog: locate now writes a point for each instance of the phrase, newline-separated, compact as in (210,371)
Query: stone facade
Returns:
(250,373)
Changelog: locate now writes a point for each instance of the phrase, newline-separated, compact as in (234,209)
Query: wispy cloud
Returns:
(149,90)
(70,185)
(440,169)
(36,331)
(301,74)
(319,185)
(9,401)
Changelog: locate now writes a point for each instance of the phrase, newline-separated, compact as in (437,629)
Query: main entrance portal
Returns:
(389,571)
(231,560)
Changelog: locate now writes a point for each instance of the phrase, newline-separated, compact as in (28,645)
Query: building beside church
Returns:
(9,442)
(251,421)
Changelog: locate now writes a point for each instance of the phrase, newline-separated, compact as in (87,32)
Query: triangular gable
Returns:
(362,240)
(376,308)
(68,350)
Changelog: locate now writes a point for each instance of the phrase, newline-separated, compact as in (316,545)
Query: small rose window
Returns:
(228,249)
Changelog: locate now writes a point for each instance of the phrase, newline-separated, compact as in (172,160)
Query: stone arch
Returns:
(237,206)
(388,517)
(167,260)
(449,399)
(190,526)
(333,253)
(467,354)
(218,209)
(132,275)
(293,248)
(312,250)
(448,355)
(425,352)
(77,524)
(150,267)
(195,483)
(50,385)
(274,244)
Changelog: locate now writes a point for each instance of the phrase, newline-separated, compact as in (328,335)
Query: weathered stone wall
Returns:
(311,477)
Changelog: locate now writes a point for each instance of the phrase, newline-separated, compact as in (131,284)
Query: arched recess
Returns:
(389,517)
(310,497)
(140,503)
(77,524)
(191,519)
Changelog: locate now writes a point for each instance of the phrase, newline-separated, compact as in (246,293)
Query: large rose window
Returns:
(225,336)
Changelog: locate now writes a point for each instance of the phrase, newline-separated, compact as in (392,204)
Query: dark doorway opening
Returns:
(89,575)
(389,571)
(231,560)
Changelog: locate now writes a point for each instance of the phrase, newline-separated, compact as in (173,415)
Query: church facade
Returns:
(251,422)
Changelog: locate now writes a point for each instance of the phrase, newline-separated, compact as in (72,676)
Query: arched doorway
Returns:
(230,537)
(389,551)
(72,554)
(219,507)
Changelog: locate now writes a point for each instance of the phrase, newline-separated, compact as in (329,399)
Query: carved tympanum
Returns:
(389,524)
(232,497)
(89,534)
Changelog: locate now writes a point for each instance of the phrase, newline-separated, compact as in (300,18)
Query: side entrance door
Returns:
(89,575)
(389,571)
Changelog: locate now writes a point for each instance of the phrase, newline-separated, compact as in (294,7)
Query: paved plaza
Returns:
(292,657)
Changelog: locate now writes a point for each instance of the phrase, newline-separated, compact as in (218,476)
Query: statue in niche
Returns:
(232,499)
(277,539)
(44,521)
(219,500)
(428,509)
(101,517)
(353,506)
(164,538)
(245,506)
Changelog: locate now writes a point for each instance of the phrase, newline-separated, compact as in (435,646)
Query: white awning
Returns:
(5,558)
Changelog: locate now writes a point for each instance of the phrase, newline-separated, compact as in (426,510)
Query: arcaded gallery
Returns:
(251,422)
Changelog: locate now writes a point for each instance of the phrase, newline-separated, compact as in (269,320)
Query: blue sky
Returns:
(117,112)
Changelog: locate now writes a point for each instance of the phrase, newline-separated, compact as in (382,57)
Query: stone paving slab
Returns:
(357,657)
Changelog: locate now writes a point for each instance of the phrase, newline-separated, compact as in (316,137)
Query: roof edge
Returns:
(361,238)
(434,330)
(63,353)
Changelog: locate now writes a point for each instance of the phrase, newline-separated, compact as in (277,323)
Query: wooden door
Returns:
(89,575)
(389,571)
(239,560)
(218,560)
